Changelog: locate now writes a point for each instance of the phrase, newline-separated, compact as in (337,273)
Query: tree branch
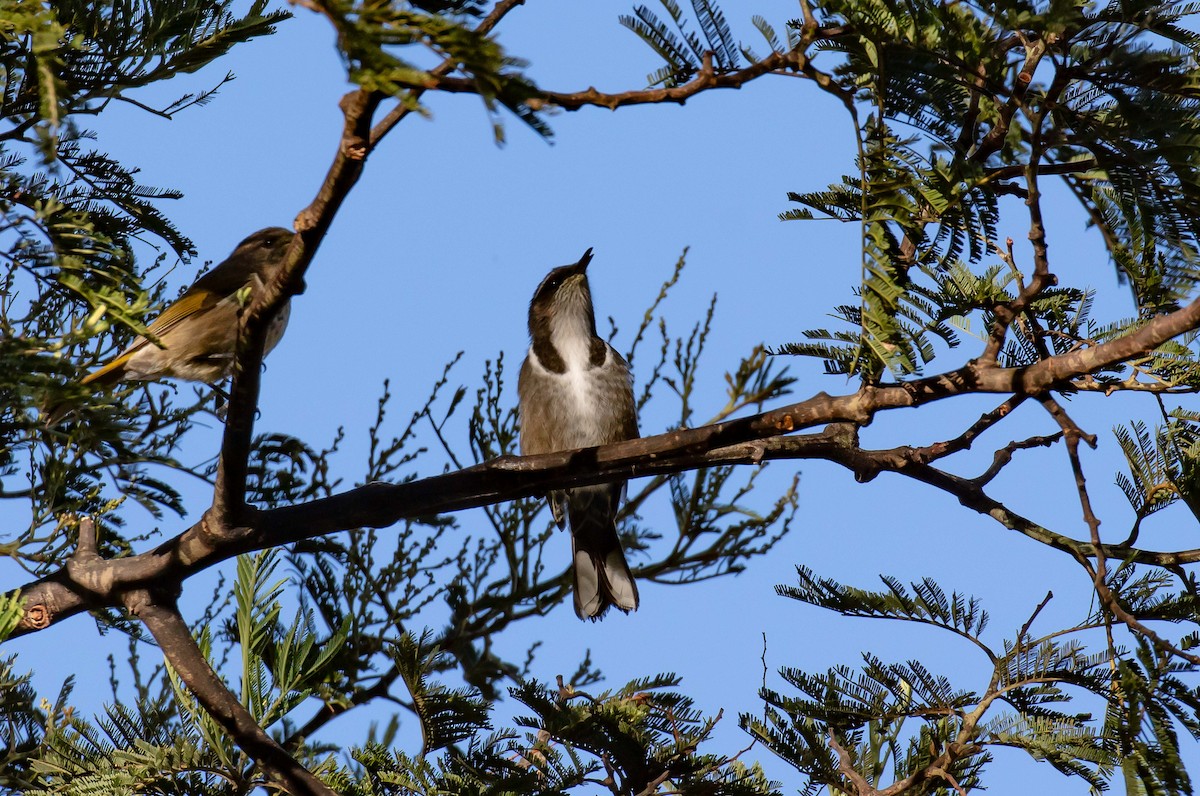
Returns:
(331,710)
(163,620)
(994,140)
(867,464)
(229,507)
(847,769)
(1043,169)
(939,450)
(1099,572)
(403,109)
(706,78)
(358,138)
(57,595)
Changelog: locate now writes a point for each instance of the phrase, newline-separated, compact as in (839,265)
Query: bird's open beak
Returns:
(584,260)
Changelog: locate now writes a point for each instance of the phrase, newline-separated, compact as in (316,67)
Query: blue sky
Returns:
(444,239)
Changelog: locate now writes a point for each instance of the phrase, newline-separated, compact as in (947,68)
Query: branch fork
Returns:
(85,567)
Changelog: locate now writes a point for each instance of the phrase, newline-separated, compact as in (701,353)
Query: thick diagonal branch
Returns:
(356,142)
(163,620)
(228,510)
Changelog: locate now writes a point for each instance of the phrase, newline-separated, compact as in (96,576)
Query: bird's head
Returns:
(563,297)
(264,247)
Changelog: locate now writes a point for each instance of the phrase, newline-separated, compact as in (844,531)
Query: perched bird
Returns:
(577,392)
(198,332)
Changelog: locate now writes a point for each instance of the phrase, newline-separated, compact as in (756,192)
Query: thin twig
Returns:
(706,78)
(1003,457)
(1024,631)
(963,441)
(1100,570)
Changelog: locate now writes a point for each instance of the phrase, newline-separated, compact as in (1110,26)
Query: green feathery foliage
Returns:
(961,114)
(683,49)
(869,714)
(72,280)
(945,132)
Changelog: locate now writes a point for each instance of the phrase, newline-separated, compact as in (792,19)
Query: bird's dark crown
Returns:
(544,304)
(550,301)
(269,238)
(555,278)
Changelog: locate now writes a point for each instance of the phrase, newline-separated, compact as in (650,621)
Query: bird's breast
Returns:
(582,406)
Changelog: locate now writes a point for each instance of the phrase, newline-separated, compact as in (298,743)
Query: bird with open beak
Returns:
(577,392)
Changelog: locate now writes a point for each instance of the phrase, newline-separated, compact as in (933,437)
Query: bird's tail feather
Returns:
(602,575)
(108,375)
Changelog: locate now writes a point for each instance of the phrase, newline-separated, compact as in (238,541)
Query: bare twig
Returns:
(1069,427)
(1099,571)
(706,78)
(1024,631)
(1003,456)
(331,710)
(963,441)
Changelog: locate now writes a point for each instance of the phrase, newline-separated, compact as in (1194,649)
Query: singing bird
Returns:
(577,392)
(198,332)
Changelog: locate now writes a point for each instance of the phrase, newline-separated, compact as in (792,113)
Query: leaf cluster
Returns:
(641,735)
(76,279)
(683,50)
(869,714)
(372,35)
(956,106)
